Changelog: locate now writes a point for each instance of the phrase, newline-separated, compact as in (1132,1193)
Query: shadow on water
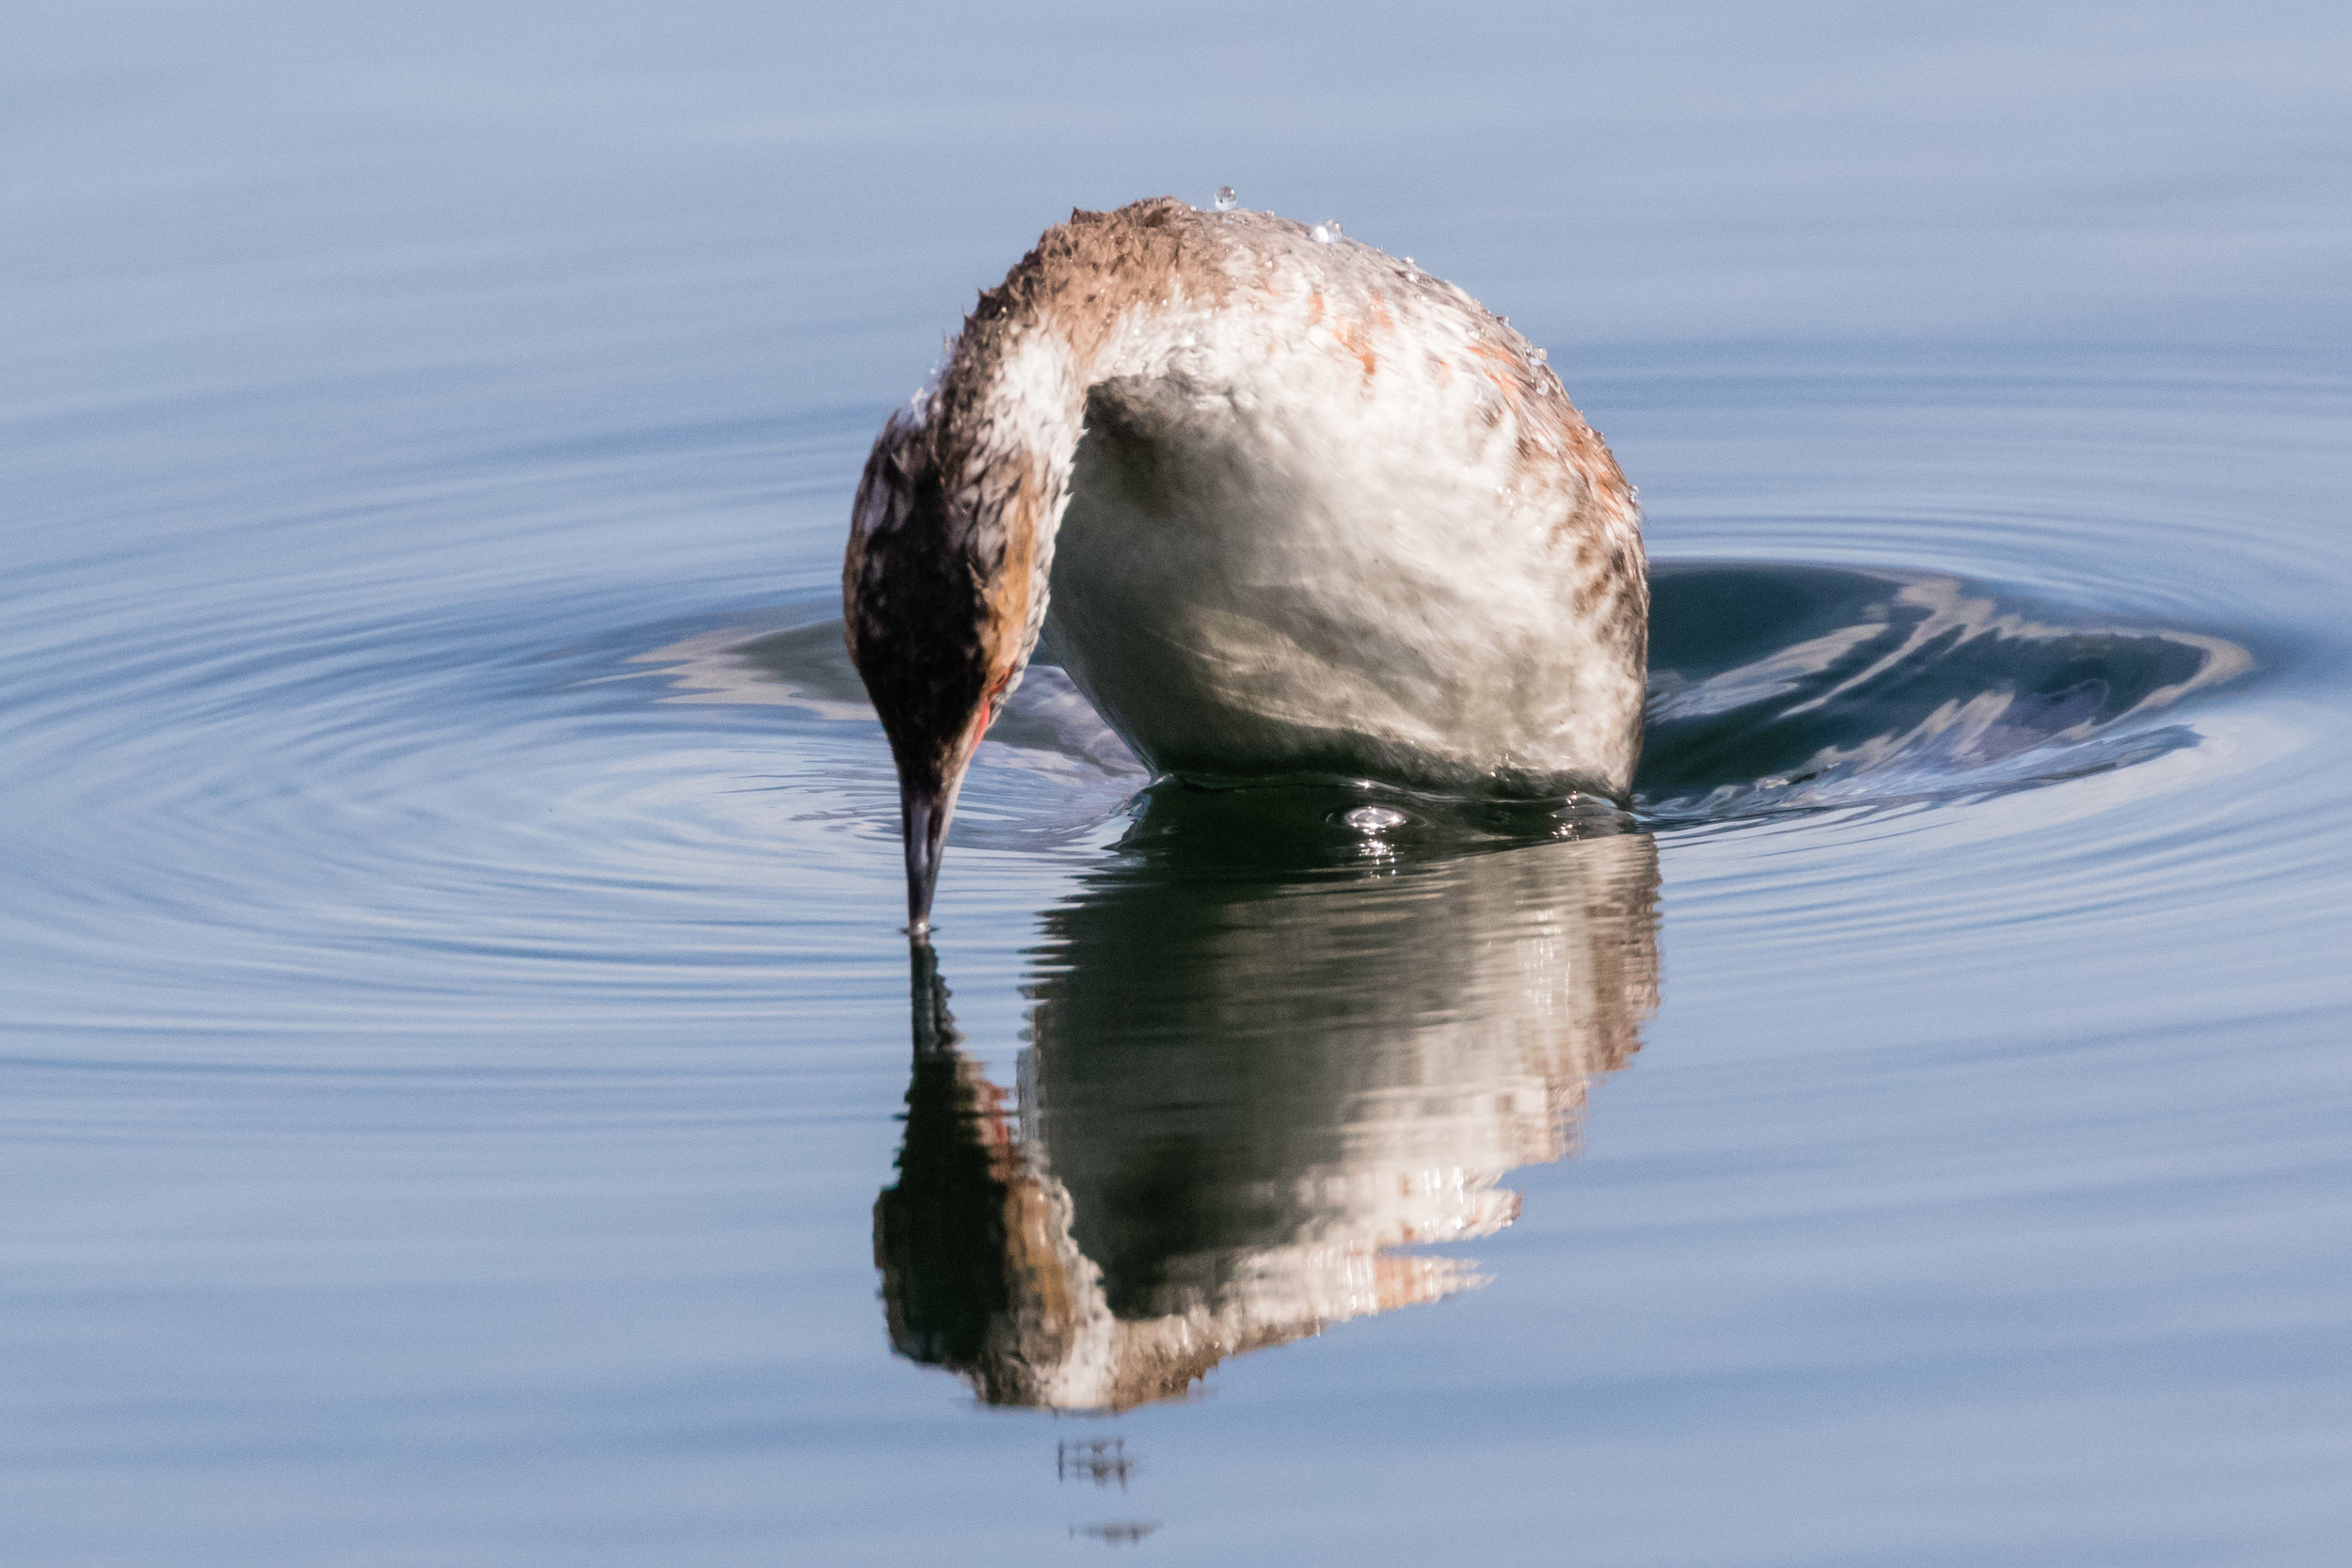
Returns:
(1250,1081)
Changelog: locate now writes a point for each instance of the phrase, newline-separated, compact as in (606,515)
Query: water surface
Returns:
(465,1100)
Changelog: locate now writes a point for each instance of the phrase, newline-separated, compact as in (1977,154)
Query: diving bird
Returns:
(1301,511)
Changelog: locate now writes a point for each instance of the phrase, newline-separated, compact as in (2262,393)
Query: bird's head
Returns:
(938,586)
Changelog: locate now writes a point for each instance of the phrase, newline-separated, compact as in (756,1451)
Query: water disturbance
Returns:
(465,1099)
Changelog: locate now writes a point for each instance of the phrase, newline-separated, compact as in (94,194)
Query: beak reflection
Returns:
(1242,1091)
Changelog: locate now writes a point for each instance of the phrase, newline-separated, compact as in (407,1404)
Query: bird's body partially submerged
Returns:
(1299,508)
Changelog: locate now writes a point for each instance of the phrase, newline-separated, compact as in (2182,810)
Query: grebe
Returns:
(1304,512)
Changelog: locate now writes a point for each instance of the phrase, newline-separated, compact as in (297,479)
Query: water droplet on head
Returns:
(1373,819)
(1226,199)
(1327,230)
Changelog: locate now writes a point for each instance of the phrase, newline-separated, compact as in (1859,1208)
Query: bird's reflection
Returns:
(1244,1088)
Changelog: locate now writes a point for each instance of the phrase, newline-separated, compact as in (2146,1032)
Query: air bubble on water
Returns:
(1373,819)
(1327,230)
(1226,199)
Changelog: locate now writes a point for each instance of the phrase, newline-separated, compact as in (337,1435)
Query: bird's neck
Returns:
(1010,405)
(1008,431)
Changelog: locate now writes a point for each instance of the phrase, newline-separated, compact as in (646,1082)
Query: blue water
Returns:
(457,1047)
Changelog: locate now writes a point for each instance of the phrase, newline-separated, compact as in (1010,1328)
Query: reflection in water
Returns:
(1100,1460)
(1244,1088)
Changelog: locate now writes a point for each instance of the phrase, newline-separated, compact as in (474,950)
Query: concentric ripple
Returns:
(473,889)
(582,790)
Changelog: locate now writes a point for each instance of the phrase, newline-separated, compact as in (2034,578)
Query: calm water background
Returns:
(448,1079)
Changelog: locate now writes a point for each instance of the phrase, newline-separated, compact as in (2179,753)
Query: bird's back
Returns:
(1338,519)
